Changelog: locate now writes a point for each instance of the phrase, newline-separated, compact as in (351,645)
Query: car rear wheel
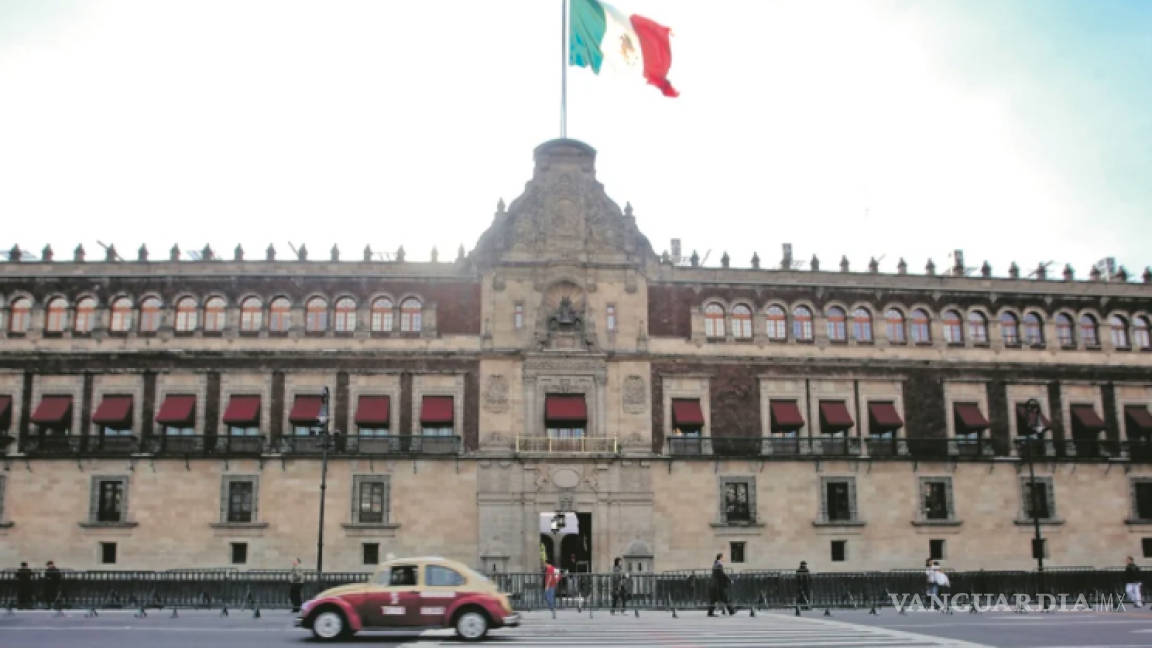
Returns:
(329,624)
(472,625)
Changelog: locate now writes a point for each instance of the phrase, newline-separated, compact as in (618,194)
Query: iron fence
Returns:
(681,590)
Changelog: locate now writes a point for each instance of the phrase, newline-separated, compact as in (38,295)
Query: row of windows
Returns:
(124,316)
(916,326)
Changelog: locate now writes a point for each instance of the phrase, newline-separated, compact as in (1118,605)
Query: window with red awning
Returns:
(436,409)
(177,410)
(785,415)
(565,408)
(687,412)
(114,411)
(969,418)
(834,416)
(883,416)
(306,410)
(242,411)
(373,411)
(53,411)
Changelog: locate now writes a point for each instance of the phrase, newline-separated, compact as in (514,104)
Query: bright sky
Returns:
(1012,130)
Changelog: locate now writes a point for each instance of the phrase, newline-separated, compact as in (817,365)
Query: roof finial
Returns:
(755,261)
(367,252)
(238,253)
(814,264)
(930,267)
(400,254)
(335,252)
(78,253)
(174,253)
(270,253)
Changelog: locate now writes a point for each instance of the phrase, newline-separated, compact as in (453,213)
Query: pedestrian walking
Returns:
(931,588)
(24,587)
(803,585)
(720,583)
(551,580)
(1132,585)
(619,586)
(296,578)
(51,585)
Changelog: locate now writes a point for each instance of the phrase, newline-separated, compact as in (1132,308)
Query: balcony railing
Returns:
(239,445)
(779,446)
(172,444)
(51,445)
(389,444)
(590,445)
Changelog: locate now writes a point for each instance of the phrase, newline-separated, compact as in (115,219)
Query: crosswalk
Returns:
(697,629)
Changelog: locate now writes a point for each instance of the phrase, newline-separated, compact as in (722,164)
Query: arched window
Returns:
(777,323)
(862,325)
(56,319)
(802,323)
(1141,337)
(1119,332)
(186,315)
(280,315)
(894,322)
(215,315)
(410,315)
(713,320)
(1064,330)
(1033,330)
(921,333)
(345,315)
(953,329)
(19,315)
(382,314)
(251,315)
(85,315)
(1089,331)
(836,324)
(316,315)
(741,322)
(149,315)
(977,328)
(1009,329)
(121,315)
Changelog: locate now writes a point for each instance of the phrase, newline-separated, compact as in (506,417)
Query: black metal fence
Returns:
(681,590)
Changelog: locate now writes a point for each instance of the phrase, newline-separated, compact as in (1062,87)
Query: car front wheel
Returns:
(328,625)
(472,625)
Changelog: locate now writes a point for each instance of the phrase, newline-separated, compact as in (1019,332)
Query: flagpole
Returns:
(564,69)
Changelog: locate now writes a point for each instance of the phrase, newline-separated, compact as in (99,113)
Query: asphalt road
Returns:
(844,629)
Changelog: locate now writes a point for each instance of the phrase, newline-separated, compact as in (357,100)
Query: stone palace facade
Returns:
(160,414)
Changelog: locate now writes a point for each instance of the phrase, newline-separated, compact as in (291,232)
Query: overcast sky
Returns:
(1012,130)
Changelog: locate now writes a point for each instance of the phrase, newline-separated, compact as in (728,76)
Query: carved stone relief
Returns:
(496,394)
(634,394)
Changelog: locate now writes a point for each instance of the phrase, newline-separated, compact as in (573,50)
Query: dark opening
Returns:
(1146,544)
(837,501)
(1144,500)
(371,553)
(736,551)
(936,549)
(108,553)
(1039,548)
(239,553)
(839,548)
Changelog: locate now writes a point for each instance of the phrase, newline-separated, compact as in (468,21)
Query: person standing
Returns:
(551,580)
(24,587)
(619,586)
(720,583)
(296,578)
(803,586)
(1132,585)
(51,585)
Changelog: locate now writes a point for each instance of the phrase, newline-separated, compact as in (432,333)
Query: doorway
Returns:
(567,544)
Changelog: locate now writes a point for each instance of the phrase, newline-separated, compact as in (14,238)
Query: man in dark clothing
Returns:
(51,585)
(619,586)
(720,582)
(23,587)
(803,585)
(295,586)
(1132,582)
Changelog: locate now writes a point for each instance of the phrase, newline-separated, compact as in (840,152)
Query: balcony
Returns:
(119,444)
(175,445)
(239,445)
(774,446)
(403,444)
(581,445)
(51,445)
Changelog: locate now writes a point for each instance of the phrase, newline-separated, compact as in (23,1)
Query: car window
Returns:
(437,576)
(402,575)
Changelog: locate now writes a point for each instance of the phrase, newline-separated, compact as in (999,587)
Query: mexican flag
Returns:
(601,37)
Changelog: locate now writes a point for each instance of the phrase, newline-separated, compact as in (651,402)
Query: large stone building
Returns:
(161,414)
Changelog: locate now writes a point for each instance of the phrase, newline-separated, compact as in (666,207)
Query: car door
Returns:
(392,601)
(441,588)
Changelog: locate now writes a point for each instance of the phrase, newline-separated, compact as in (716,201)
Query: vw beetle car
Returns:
(411,594)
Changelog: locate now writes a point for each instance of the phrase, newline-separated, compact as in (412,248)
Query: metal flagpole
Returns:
(564,69)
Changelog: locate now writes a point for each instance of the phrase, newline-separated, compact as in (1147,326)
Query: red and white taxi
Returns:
(411,594)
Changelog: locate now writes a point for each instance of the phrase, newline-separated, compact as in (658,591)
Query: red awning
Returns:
(566,407)
(785,415)
(5,407)
(970,417)
(306,410)
(373,410)
(1022,419)
(1139,418)
(177,410)
(834,415)
(436,409)
(686,411)
(113,410)
(883,416)
(1087,417)
(242,410)
(53,410)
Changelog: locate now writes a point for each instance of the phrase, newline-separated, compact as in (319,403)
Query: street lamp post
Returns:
(321,431)
(1036,429)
